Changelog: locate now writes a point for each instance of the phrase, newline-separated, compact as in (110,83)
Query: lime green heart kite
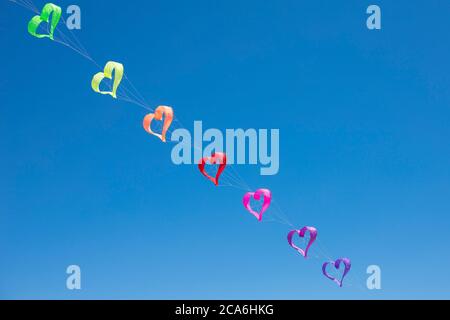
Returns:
(34,23)
(110,67)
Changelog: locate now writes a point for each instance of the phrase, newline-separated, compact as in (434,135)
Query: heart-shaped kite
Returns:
(216,158)
(301,233)
(49,9)
(347,265)
(267,198)
(161,111)
(110,67)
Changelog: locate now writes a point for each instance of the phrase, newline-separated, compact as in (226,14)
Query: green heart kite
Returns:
(34,23)
(110,67)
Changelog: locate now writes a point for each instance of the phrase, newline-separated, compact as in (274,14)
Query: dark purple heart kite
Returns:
(347,265)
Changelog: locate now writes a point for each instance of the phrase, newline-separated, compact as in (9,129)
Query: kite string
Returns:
(26,5)
(78,42)
(132,95)
(233,180)
(63,39)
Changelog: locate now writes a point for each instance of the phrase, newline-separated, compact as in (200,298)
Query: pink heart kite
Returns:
(267,197)
(301,233)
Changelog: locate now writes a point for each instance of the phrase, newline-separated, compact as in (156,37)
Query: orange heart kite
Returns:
(161,111)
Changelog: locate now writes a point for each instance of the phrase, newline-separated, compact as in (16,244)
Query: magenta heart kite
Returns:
(267,197)
(301,233)
(336,264)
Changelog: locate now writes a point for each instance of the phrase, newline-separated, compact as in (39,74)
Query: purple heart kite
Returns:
(336,264)
(301,233)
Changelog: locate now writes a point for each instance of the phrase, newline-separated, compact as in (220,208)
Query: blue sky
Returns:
(364,127)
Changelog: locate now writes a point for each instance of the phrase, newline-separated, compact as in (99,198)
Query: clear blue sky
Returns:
(364,123)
